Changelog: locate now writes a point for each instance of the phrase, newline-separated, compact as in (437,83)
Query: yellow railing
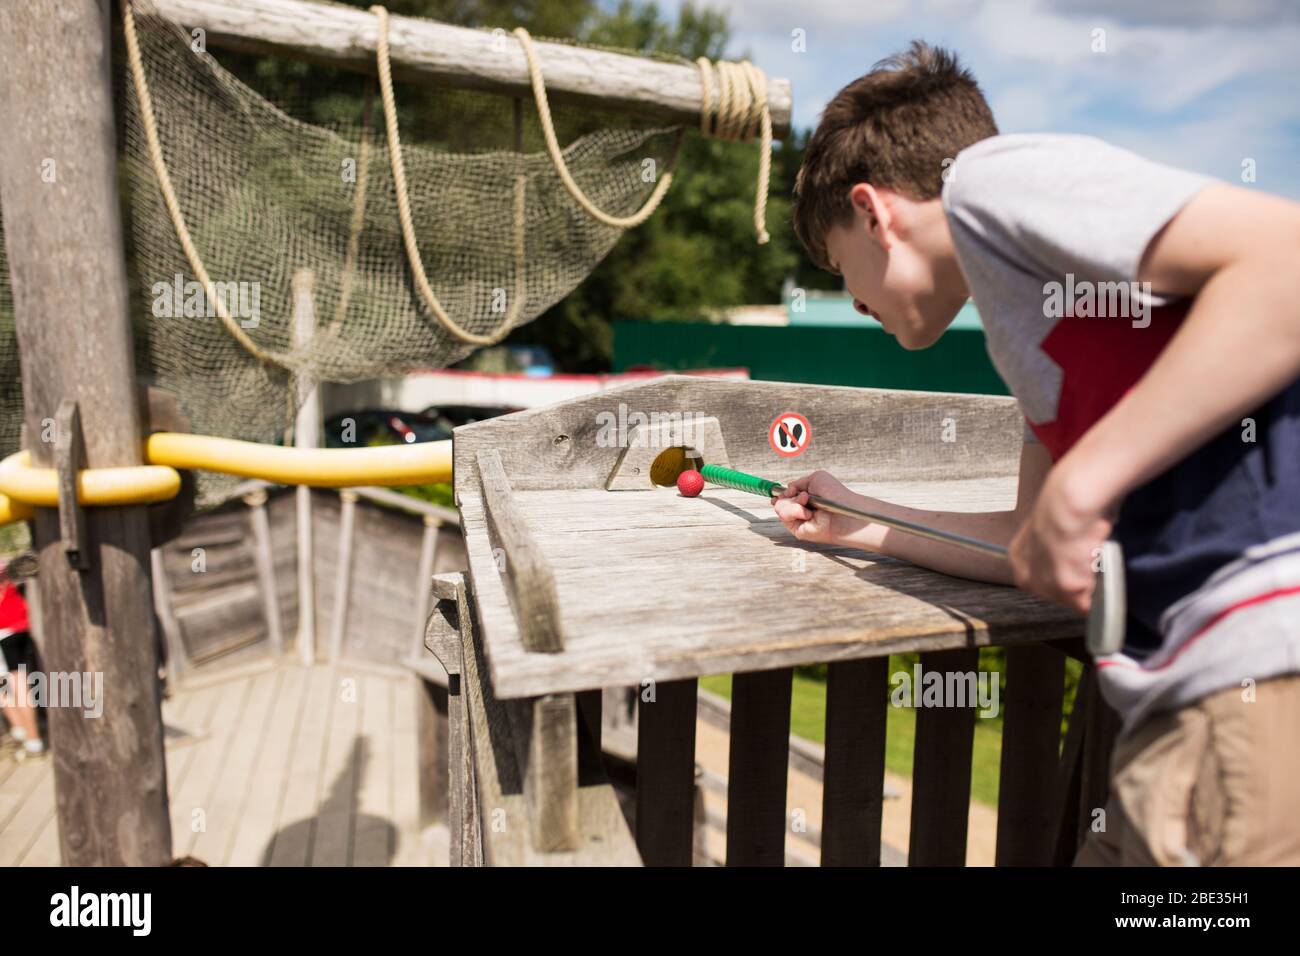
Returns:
(23,487)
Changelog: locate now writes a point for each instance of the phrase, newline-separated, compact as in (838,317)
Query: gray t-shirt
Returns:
(1212,546)
(1031,210)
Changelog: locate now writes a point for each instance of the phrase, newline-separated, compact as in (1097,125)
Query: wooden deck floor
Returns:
(274,764)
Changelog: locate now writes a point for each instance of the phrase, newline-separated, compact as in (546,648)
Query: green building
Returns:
(822,340)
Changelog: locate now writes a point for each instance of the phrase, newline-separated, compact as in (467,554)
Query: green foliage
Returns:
(697,254)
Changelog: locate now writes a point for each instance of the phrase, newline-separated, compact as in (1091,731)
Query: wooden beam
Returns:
(529,579)
(426,51)
(58,176)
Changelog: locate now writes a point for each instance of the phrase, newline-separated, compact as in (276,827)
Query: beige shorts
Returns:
(1213,784)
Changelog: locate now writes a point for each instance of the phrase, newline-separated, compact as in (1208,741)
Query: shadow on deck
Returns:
(269,764)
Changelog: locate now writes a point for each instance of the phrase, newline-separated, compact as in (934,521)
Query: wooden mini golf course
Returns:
(572,588)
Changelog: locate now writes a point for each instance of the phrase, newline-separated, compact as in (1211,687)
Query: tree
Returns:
(696,254)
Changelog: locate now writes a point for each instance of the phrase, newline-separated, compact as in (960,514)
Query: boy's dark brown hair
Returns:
(893,127)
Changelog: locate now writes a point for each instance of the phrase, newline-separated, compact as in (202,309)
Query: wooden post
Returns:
(58,176)
(343,574)
(424,583)
(178,660)
(306,434)
(264,557)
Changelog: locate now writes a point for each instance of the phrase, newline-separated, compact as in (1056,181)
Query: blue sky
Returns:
(1203,84)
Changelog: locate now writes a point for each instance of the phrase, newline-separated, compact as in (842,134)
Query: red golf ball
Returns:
(690,483)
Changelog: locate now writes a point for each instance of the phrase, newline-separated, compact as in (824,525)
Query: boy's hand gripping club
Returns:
(1106,616)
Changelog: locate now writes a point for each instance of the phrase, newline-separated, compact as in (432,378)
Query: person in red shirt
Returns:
(15,653)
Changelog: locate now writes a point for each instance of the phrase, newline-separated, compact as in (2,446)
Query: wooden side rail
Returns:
(523,788)
(530,584)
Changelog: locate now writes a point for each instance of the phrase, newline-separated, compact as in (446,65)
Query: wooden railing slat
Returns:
(1031,742)
(759,763)
(853,777)
(941,771)
(665,774)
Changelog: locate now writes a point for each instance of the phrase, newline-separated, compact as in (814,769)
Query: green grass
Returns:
(808,719)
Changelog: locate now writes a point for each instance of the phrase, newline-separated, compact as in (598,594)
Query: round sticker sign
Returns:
(789,434)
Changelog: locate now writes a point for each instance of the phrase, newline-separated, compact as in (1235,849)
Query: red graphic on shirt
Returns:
(13,610)
(1100,360)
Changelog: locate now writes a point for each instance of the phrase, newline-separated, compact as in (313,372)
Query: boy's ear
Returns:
(869,203)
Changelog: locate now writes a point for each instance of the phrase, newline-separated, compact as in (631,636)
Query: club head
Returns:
(1109,608)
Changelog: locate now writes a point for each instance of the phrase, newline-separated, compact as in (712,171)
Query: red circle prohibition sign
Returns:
(789,435)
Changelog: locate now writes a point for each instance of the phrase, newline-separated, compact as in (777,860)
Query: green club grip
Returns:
(739,480)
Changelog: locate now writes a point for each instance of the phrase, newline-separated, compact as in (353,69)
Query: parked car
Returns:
(453,416)
(369,426)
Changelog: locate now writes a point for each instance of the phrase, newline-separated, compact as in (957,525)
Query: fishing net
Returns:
(271,248)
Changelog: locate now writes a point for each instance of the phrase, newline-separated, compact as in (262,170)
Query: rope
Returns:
(150,125)
(741,111)
(557,158)
(404,210)
(358,216)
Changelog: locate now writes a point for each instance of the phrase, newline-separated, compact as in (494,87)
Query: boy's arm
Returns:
(1238,252)
(995,526)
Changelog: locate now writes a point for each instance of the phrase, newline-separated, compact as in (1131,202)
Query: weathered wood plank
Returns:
(191,802)
(603,836)
(341,767)
(862,434)
(224,809)
(295,820)
(406,795)
(758,768)
(45,851)
(433,733)
(941,770)
(546,741)
(1031,739)
(372,834)
(424,51)
(853,775)
(255,829)
(24,828)
(665,774)
(530,583)
(612,583)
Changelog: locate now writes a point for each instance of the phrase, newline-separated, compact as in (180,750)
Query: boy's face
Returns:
(898,263)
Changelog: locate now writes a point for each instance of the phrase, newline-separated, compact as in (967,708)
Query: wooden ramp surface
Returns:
(652,585)
(276,764)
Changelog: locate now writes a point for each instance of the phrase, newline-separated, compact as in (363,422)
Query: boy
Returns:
(1148,321)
